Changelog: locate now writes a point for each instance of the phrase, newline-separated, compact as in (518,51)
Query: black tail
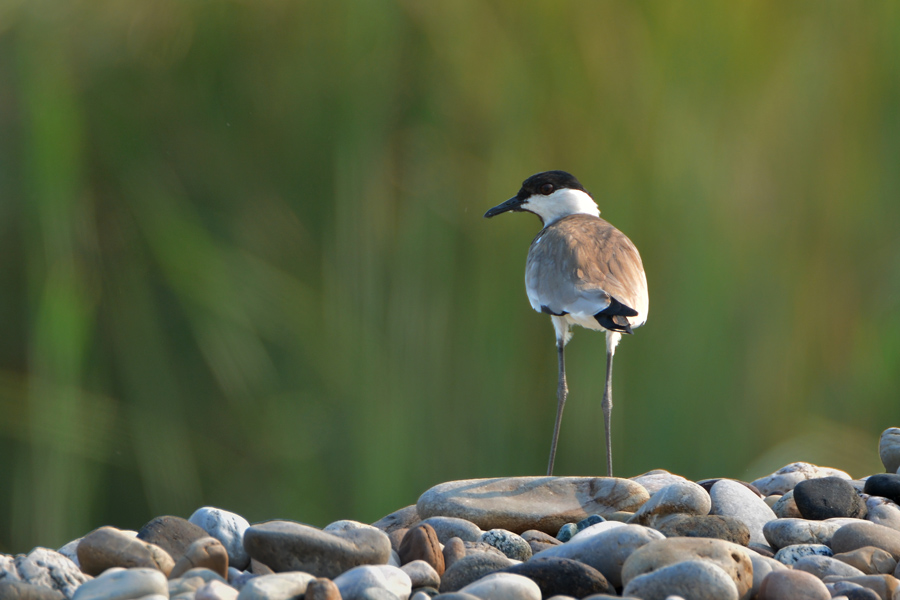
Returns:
(613,317)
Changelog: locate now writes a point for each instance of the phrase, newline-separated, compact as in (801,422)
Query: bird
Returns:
(581,271)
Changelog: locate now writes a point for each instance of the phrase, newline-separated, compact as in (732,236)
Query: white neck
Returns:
(561,203)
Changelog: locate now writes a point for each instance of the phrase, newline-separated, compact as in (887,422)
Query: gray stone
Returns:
(228,528)
(870,560)
(421,574)
(401,519)
(856,535)
(889,449)
(793,585)
(694,579)
(562,576)
(683,497)
(19,590)
(453,550)
(173,534)
(732,499)
(566,532)
(883,512)
(108,547)
(506,586)
(507,542)
(124,584)
(786,508)
(655,480)
(522,503)
(784,479)
(280,586)
(289,546)
(43,567)
(791,554)
(471,568)
(216,590)
(354,582)
(595,529)
(822,566)
(787,532)
(828,498)
(451,527)
(762,566)
(730,529)
(886,586)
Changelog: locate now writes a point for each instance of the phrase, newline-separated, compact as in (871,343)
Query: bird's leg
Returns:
(612,339)
(561,392)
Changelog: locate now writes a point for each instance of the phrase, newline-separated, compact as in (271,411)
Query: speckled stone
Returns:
(566,532)
(42,567)
(786,507)
(228,528)
(791,554)
(511,545)
(828,498)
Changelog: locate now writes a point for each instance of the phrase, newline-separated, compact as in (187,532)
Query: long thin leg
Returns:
(561,392)
(607,409)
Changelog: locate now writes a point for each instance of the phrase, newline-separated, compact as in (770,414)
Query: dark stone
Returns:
(886,485)
(421,543)
(707,484)
(472,568)
(537,546)
(828,497)
(396,537)
(566,532)
(730,529)
(173,534)
(400,519)
(19,590)
(563,576)
(591,520)
(860,593)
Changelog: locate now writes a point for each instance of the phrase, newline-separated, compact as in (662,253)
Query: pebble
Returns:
(856,535)
(787,532)
(454,549)
(422,574)
(595,529)
(124,584)
(889,449)
(870,560)
(589,522)
(108,547)
(228,528)
(886,485)
(504,586)
(793,585)
(655,480)
(216,590)
(606,551)
(566,532)
(885,586)
(827,498)
(451,527)
(404,518)
(421,543)
(278,586)
(173,534)
(538,540)
(730,529)
(471,568)
(207,553)
(784,479)
(511,545)
(290,546)
(42,567)
(683,497)
(563,576)
(522,503)
(19,590)
(697,579)
(732,559)
(762,566)
(822,566)
(791,554)
(321,589)
(733,499)
(354,583)
(883,512)
(786,507)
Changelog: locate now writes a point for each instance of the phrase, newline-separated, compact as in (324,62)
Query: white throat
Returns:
(561,203)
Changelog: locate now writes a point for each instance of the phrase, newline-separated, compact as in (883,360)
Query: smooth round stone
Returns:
(289,546)
(504,586)
(205,553)
(822,566)
(401,519)
(19,590)
(476,547)
(695,579)
(732,559)
(353,583)
(563,577)
(885,586)
(566,532)
(793,585)
(507,542)
(786,507)
(421,574)
(683,497)
(70,550)
(108,547)
(886,485)
(374,593)
(788,532)
(605,551)
(655,480)
(870,560)
(856,535)
(732,499)
(451,527)
(784,479)
(471,568)
(228,528)
(889,449)
(595,529)
(43,567)
(522,503)
(845,589)
(216,590)
(124,584)
(454,549)
(322,589)
(828,498)
(791,554)
(533,535)
(762,566)
(730,529)
(421,543)
(883,512)
(280,586)
(173,534)
(188,585)
(456,596)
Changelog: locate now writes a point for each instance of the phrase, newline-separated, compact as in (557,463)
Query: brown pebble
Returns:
(454,549)
(109,547)
(19,590)
(792,585)
(396,537)
(322,589)
(208,553)
(870,560)
(421,543)
(173,534)
(258,568)
(540,536)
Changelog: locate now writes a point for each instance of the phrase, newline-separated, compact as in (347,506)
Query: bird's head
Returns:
(550,195)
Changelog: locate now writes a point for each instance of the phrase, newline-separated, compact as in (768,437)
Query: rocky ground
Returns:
(803,532)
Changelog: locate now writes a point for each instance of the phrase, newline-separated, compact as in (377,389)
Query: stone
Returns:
(507,542)
(762,566)
(886,485)
(522,503)
(504,586)
(732,499)
(595,529)
(124,584)
(354,582)
(856,535)
(786,507)
(695,579)
(228,528)
(730,529)
(562,576)
(732,559)
(456,596)
(793,585)
(70,550)
(347,525)
(421,574)
(108,547)
(280,586)
(476,547)
(173,534)
(566,532)
(19,590)
(791,554)
(683,497)
(258,568)
(421,543)
(187,585)
(606,551)
(784,479)
(822,566)
(827,498)
(322,589)
(533,535)
(889,449)
(454,549)
(396,536)
(883,512)
(655,480)
(216,590)
(451,527)
(787,532)
(846,590)
(471,568)
(206,552)
(588,522)
(290,546)
(870,560)
(42,567)
(401,519)
(885,586)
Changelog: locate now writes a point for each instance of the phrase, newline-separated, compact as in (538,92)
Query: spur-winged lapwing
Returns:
(581,271)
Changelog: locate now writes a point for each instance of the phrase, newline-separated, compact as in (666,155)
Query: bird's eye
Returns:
(547,189)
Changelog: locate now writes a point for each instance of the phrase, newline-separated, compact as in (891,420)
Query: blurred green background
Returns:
(243,261)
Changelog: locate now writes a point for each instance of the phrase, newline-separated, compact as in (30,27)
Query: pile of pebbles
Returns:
(802,532)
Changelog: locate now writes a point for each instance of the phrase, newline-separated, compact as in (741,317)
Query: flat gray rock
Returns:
(824,566)
(695,579)
(787,532)
(522,503)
